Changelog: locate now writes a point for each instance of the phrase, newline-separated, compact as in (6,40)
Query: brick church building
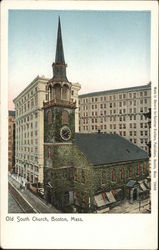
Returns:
(86,172)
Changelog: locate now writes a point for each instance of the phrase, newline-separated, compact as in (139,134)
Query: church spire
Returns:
(59,59)
(59,67)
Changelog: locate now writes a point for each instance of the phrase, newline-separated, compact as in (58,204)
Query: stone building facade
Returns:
(117,111)
(11,140)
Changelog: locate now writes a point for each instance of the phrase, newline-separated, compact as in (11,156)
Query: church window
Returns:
(64,117)
(113,175)
(130,171)
(49,117)
(65,92)
(138,169)
(83,176)
(122,173)
(57,89)
(144,168)
(103,174)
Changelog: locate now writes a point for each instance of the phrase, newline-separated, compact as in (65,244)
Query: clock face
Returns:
(65,133)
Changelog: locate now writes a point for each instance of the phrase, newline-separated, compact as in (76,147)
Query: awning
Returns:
(131,183)
(99,200)
(142,186)
(110,197)
(103,210)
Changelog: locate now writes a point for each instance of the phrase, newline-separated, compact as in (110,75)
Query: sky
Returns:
(103,49)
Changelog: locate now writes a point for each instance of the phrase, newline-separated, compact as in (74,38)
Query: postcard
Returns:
(79,125)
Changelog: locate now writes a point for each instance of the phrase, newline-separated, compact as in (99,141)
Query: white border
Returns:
(110,231)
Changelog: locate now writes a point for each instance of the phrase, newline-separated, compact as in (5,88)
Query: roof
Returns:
(102,149)
(100,93)
(11,113)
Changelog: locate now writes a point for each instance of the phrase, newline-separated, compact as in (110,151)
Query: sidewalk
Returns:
(37,203)
(136,207)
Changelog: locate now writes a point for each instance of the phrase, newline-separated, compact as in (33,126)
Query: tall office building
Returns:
(118,111)
(29,130)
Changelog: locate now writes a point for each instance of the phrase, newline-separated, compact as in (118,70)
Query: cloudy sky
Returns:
(103,49)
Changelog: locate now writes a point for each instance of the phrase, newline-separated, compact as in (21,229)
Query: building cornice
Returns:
(99,93)
(37,79)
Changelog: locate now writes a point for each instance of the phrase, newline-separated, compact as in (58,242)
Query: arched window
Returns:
(49,117)
(64,117)
(144,168)
(130,171)
(65,92)
(122,173)
(113,175)
(138,169)
(57,89)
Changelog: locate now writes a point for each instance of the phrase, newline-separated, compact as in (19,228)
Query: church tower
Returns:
(59,128)
(60,109)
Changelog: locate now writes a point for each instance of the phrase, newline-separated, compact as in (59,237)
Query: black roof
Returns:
(101,149)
